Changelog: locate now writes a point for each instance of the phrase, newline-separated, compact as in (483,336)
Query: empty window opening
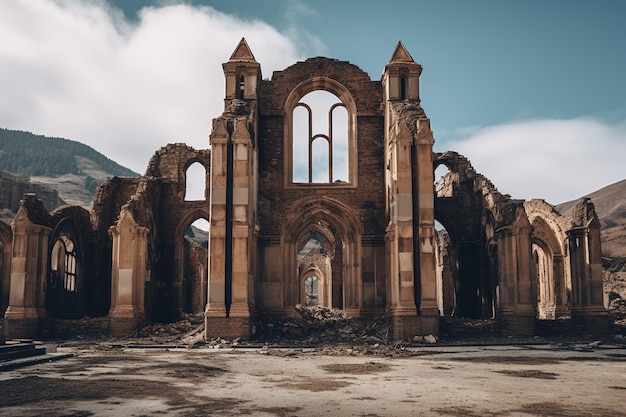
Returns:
(195,182)
(320,139)
(444,181)
(402,94)
(241,87)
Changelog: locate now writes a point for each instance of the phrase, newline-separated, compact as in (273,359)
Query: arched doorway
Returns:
(320,267)
(321,234)
(191,259)
(65,288)
(544,280)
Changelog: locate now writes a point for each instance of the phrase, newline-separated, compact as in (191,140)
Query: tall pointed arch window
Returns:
(320,139)
(320,135)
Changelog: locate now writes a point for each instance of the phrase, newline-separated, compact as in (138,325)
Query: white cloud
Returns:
(79,70)
(557,160)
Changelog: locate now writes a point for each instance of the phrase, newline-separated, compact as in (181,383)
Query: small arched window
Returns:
(195,182)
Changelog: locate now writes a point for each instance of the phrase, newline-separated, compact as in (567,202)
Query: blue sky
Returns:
(533,92)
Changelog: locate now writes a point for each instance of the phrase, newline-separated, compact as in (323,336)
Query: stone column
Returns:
(231,230)
(515,266)
(216,306)
(242,221)
(400,230)
(426,231)
(27,301)
(588,312)
(128,273)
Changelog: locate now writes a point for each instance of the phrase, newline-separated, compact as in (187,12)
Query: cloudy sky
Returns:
(532,92)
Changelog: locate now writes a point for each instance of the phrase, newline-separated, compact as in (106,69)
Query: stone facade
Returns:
(319,189)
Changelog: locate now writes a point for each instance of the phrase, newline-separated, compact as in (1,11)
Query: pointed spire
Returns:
(400,54)
(242,52)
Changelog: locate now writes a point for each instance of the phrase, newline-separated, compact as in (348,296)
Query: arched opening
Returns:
(321,235)
(550,284)
(194,264)
(65,292)
(444,181)
(447,269)
(489,268)
(320,269)
(195,182)
(544,281)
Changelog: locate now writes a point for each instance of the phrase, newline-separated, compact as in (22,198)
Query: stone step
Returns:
(21,348)
(33,360)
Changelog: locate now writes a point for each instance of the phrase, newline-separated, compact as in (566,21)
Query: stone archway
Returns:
(191,266)
(338,225)
(549,284)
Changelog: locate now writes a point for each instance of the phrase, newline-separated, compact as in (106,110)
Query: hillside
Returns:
(610,204)
(72,168)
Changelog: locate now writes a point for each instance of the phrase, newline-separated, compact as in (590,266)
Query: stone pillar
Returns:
(231,230)
(128,273)
(515,266)
(242,219)
(588,312)
(27,300)
(400,230)
(410,200)
(426,215)
(216,306)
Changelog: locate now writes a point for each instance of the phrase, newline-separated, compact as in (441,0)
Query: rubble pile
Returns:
(318,325)
(454,328)
(187,331)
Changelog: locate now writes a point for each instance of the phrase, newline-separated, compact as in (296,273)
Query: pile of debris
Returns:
(318,325)
(461,328)
(187,331)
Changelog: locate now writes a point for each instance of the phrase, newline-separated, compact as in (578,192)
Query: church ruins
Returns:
(319,190)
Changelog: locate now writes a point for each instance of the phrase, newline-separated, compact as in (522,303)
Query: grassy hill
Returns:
(72,168)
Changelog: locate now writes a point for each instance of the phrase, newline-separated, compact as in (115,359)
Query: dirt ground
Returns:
(571,380)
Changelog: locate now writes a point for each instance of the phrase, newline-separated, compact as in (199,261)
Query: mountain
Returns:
(610,204)
(72,168)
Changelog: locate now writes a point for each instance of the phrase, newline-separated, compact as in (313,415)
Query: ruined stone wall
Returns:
(109,198)
(13,187)
(367,201)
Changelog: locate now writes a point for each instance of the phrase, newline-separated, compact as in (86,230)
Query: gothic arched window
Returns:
(321,136)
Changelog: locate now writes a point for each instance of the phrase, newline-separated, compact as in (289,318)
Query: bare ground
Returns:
(523,380)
